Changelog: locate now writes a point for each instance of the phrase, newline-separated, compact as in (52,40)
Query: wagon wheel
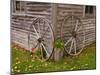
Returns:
(41,38)
(73,35)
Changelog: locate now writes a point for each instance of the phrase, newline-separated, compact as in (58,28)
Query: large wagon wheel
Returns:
(41,38)
(73,35)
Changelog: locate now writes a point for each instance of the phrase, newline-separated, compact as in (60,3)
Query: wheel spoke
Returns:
(39,26)
(29,43)
(41,31)
(72,21)
(75,45)
(79,38)
(45,49)
(35,30)
(45,32)
(41,50)
(68,41)
(80,28)
(72,25)
(76,26)
(36,45)
(44,26)
(71,46)
(30,40)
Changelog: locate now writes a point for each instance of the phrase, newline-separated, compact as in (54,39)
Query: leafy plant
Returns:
(59,44)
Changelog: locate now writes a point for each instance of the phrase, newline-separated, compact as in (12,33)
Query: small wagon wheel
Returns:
(73,35)
(41,38)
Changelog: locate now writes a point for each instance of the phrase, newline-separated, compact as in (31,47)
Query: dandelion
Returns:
(86,54)
(16,63)
(45,64)
(17,58)
(18,70)
(30,66)
(15,67)
(12,70)
(71,68)
(74,67)
(65,63)
(79,68)
(64,67)
(31,55)
(32,60)
(86,64)
(12,73)
(29,69)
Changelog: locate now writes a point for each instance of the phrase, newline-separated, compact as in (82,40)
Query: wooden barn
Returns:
(40,24)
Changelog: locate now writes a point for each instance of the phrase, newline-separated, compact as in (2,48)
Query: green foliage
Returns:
(22,62)
(38,53)
(59,44)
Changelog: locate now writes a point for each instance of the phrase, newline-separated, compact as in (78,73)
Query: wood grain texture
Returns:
(21,22)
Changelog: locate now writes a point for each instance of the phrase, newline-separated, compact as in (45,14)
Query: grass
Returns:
(22,62)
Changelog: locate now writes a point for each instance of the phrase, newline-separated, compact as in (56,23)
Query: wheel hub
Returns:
(40,40)
(74,34)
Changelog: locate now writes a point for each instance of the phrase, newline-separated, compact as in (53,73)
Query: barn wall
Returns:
(20,22)
(90,30)
(66,10)
(77,10)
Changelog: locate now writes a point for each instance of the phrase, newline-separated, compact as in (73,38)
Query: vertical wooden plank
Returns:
(54,17)
(54,22)
(94,11)
(83,10)
(20,6)
(12,6)
(13,2)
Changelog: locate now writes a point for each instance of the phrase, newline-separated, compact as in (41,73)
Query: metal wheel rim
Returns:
(42,35)
(71,37)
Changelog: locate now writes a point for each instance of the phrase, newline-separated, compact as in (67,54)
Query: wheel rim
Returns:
(41,38)
(73,35)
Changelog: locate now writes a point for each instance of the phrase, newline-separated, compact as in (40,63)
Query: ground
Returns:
(22,62)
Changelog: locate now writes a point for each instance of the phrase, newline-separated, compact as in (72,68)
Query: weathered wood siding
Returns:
(66,10)
(77,10)
(90,30)
(21,21)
